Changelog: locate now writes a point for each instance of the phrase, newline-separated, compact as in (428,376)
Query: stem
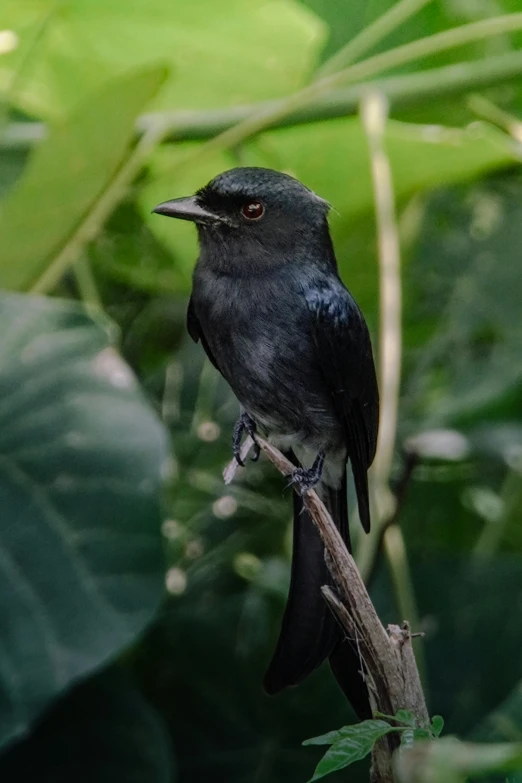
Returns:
(372,35)
(416,88)
(374,114)
(374,111)
(101,209)
(489,111)
(86,283)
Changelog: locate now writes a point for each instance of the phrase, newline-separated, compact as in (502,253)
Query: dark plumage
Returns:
(276,320)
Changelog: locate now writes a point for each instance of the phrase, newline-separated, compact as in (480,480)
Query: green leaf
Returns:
(363,728)
(422,734)
(81,463)
(220,54)
(437,724)
(405,716)
(402,716)
(12,164)
(66,174)
(91,734)
(349,744)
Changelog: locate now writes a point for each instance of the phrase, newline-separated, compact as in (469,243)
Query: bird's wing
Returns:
(344,354)
(196,332)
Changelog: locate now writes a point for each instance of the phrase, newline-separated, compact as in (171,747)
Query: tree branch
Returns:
(416,88)
(387,657)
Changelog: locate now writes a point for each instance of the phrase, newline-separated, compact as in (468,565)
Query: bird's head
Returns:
(248,214)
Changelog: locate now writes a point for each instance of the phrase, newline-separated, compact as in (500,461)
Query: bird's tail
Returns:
(309,632)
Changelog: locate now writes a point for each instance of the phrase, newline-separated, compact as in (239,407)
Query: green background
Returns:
(140,598)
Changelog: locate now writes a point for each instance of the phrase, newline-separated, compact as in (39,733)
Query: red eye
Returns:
(252,210)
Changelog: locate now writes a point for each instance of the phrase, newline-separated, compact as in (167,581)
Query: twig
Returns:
(231,469)
(86,283)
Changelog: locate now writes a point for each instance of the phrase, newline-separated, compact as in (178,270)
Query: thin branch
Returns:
(86,283)
(374,110)
(487,110)
(404,90)
(374,114)
(367,69)
(371,35)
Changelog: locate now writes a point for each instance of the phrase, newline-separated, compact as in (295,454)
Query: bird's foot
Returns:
(245,423)
(307,478)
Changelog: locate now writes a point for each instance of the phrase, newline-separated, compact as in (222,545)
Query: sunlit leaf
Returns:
(66,174)
(220,53)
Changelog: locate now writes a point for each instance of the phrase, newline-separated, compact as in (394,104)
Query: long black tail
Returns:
(309,632)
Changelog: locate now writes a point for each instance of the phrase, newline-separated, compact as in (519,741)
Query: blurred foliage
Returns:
(82,446)
(103,730)
(81,466)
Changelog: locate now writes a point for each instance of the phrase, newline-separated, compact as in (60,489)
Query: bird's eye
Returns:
(252,210)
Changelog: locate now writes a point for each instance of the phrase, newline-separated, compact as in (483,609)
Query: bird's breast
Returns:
(260,335)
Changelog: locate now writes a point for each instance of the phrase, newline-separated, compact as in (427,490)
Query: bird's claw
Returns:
(306,478)
(245,423)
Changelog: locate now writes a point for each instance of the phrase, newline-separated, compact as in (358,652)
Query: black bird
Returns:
(277,322)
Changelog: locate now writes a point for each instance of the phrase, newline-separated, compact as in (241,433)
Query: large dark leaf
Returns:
(81,461)
(228,730)
(103,731)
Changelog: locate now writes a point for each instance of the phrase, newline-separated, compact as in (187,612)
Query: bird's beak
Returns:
(187,209)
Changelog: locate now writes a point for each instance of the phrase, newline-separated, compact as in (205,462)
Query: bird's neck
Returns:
(228,258)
